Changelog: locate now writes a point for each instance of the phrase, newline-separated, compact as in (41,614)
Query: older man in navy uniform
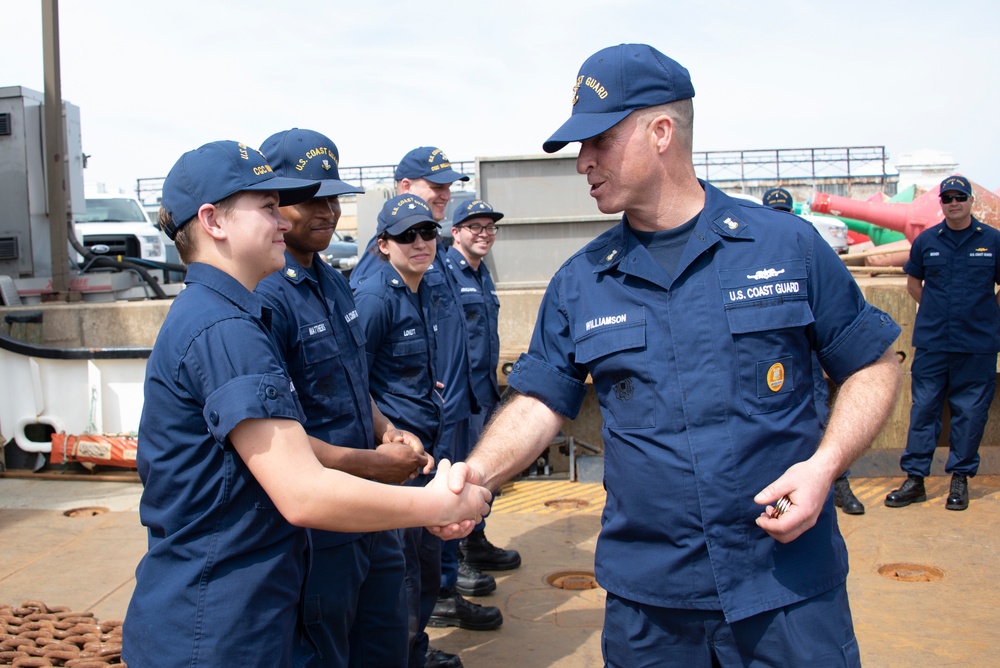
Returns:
(952,273)
(697,318)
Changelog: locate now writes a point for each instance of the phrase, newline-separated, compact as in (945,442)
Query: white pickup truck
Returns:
(117,225)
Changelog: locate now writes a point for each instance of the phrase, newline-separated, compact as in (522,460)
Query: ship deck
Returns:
(922,581)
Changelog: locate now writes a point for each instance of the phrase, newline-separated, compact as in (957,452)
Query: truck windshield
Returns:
(122,210)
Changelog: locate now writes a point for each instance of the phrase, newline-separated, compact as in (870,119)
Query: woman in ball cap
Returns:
(397,309)
(229,474)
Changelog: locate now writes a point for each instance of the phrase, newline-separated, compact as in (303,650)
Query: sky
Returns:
(494,78)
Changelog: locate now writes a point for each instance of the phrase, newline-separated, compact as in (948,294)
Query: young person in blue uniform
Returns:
(427,172)
(843,495)
(230,477)
(696,317)
(399,313)
(952,273)
(354,594)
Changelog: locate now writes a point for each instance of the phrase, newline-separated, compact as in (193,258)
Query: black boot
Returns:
(453,610)
(439,659)
(480,553)
(958,497)
(473,582)
(911,491)
(844,498)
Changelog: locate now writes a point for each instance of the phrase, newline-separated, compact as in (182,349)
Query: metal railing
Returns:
(748,165)
(792,163)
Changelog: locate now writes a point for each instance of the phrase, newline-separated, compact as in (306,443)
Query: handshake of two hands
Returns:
(460,499)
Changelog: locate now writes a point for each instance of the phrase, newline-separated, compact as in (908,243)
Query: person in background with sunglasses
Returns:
(952,273)
(427,173)
(399,311)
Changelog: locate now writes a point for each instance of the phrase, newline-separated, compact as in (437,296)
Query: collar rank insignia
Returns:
(290,273)
(611,256)
(731,224)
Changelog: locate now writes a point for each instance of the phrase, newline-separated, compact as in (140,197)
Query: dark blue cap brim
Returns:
(290,191)
(445,176)
(583,126)
(401,226)
(336,188)
(495,216)
(956,189)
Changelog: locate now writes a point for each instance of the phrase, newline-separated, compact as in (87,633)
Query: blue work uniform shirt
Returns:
(401,349)
(478,296)
(705,385)
(453,366)
(958,309)
(452,341)
(222,580)
(368,264)
(315,323)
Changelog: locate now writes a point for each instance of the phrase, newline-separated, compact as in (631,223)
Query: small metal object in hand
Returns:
(781,507)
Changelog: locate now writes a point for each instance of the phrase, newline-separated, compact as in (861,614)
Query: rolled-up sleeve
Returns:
(548,372)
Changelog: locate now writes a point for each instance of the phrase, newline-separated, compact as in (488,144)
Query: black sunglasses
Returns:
(948,199)
(410,235)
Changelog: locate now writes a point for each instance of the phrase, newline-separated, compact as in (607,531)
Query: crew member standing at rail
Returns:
(355,600)
(952,273)
(230,477)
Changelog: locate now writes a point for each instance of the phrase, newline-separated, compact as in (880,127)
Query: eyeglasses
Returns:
(948,199)
(478,229)
(410,235)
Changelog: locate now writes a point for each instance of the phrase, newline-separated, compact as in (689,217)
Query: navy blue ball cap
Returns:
(428,162)
(215,171)
(613,83)
(956,183)
(403,212)
(306,154)
(475,208)
(779,198)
